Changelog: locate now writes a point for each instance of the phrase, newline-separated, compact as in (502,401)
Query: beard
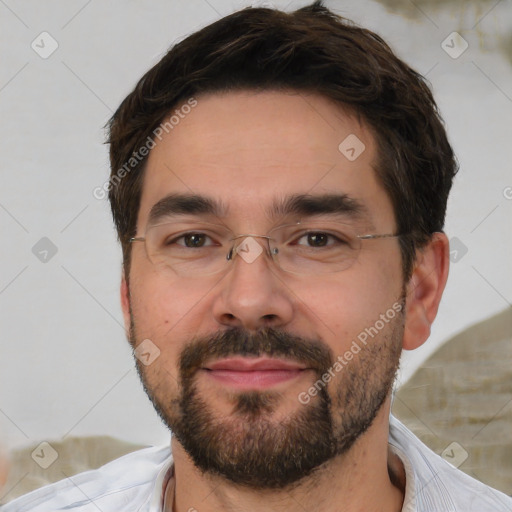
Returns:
(250,448)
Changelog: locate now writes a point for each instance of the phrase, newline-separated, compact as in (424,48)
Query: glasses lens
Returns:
(188,248)
(314,247)
(199,249)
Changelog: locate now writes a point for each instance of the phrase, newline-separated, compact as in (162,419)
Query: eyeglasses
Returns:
(201,249)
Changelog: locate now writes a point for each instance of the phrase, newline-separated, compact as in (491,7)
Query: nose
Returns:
(253,295)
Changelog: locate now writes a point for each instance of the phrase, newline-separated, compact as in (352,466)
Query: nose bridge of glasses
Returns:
(248,247)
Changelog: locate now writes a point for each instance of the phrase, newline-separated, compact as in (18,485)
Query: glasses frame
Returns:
(271,252)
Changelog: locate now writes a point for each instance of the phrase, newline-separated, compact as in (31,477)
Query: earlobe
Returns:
(125,303)
(425,289)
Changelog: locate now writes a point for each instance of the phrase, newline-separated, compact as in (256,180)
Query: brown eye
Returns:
(317,239)
(194,239)
(191,240)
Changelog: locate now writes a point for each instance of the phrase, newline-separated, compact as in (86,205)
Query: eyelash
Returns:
(294,239)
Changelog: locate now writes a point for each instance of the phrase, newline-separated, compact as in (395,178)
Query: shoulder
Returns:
(126,483)
(440,486)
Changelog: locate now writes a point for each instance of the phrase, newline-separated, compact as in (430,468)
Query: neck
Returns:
(368,477)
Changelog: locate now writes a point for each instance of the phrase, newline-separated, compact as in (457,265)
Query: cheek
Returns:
(167,312)
(344,305)
(160,300)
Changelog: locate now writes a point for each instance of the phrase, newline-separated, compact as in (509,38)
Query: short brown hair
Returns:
(309,50)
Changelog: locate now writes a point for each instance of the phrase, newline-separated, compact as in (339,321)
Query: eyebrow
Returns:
(333,205)
(185,204)
(302,205)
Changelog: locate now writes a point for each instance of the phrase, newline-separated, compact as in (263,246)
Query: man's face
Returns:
(249,151)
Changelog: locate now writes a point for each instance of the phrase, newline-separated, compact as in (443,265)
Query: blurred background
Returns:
(66,369)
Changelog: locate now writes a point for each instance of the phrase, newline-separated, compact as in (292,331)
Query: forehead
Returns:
(250,151)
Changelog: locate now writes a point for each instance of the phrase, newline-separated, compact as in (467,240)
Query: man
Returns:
(279,186)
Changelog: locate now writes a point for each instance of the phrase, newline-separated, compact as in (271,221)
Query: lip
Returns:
(244,364)
(252,373)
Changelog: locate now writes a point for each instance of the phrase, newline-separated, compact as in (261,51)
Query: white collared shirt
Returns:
(136,483)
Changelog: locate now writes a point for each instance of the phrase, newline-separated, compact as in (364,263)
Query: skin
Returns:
(246,148)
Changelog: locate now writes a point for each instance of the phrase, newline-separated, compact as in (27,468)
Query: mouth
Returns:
(253,373)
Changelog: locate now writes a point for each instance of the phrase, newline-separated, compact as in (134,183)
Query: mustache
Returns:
(270,342)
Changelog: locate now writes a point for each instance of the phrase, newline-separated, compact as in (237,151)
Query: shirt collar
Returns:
(410,482)
(166,483)
(164,479)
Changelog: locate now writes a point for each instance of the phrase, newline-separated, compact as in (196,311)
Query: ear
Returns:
(125,303)
(425,289)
